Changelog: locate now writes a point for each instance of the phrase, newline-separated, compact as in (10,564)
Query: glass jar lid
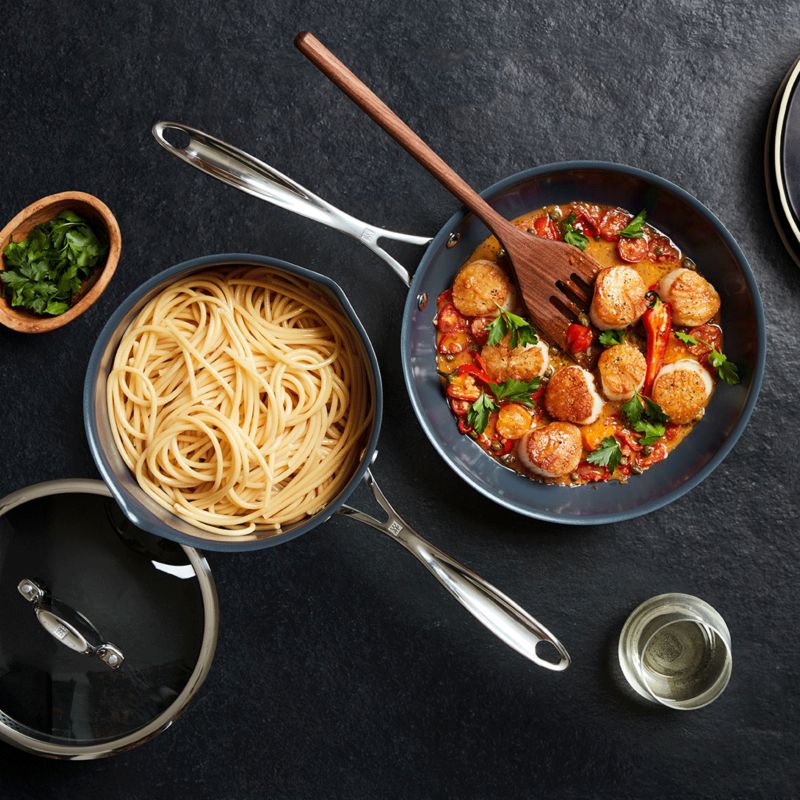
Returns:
(106,632)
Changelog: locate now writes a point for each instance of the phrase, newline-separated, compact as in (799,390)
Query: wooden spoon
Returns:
(555,278)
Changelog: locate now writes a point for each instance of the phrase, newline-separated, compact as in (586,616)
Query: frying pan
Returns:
(681,216)
(491,607)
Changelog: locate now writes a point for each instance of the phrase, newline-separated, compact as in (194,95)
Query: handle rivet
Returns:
(422,300)
(453,239)
(113,660)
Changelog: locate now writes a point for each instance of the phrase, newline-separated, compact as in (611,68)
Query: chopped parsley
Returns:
(606,454)
(478,414)
(571,234)
(516,391)
(633,230)
(522,332)
(646,417)
(46,270)
(610,338)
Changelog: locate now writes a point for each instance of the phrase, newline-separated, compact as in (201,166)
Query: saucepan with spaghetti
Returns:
(234,402)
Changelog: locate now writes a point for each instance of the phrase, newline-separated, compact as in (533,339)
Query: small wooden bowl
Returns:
(90,208)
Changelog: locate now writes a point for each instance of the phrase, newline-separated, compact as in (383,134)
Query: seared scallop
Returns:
(693,299)
(622,370)
(478,286)
(523,363)
(682,389)
(571,396)
(618,299)
(552,450)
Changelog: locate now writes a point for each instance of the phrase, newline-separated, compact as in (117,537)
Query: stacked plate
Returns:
(782,161)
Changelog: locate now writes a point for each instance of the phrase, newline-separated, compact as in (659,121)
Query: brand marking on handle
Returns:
(60,632)
(395,527)
(368,235)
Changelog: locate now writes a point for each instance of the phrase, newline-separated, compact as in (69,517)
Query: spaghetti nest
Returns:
(240,399)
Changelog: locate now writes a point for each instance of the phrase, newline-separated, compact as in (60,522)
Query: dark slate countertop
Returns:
(343,670)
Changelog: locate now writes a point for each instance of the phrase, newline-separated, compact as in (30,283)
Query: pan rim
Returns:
(757,374)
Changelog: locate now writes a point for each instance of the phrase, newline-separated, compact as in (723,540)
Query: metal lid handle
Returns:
(68,626)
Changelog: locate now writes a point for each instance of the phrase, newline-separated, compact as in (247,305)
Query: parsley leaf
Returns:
(645,416)
(633,230)
(610,338)
(727,370)
(606,454)
(652,431)
(686,338)
(515,391)
(522,332)
(478,414)
(44,272)
(571,234)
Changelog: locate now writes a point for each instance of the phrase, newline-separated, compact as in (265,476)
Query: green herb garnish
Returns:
(686,338)
(610,338)
(606,454)
(633,230)
(478,414)
(521,331)
(516,391)
(646,417)
(571,234)
(728,371)
(45,271)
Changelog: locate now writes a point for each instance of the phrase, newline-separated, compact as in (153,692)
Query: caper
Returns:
(574,477)
(584,319)
(647,450)
(556,214)
(687,263)
(548,373)
(623,460)
(636,469)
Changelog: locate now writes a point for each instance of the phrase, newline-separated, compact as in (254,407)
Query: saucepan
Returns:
(681,216)
(496,611)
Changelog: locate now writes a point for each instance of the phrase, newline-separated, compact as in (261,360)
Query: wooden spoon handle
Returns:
(368,101)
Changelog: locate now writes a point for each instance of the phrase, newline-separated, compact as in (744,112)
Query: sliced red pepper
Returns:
(579,337)
(460,407)
(657,322)
(463,427)
(632,250)
(474,370)
(501,446)
(545,228)
(448,319)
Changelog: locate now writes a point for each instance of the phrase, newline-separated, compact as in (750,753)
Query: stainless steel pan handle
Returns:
(243,171)
(500,614)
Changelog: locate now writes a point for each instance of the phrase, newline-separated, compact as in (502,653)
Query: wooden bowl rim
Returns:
(27,322)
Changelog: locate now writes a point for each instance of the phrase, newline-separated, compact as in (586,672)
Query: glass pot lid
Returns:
(106,632)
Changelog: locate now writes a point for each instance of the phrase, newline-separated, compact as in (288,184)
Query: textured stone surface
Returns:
(342,669)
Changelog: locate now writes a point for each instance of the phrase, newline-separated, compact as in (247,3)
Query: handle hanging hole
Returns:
(176,137)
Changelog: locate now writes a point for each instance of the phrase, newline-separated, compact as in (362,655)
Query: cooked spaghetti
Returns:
(240,399)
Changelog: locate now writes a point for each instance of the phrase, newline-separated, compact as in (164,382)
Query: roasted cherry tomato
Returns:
(463,427)
(587,219)
(476,370)
(671,431)
(463,385)
(545,228)
(613,222)
(590,472)
(445,297)
(708,336)
(460,407)
(663,251)
(659,453)
(448,319)
(453,342)
(579,337)
(628,440)
(477,327)
(632,250)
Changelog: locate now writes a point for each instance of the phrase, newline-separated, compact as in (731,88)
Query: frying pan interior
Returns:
(699,234)
(137,505)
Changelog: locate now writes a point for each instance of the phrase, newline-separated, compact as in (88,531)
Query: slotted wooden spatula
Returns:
(555,278)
